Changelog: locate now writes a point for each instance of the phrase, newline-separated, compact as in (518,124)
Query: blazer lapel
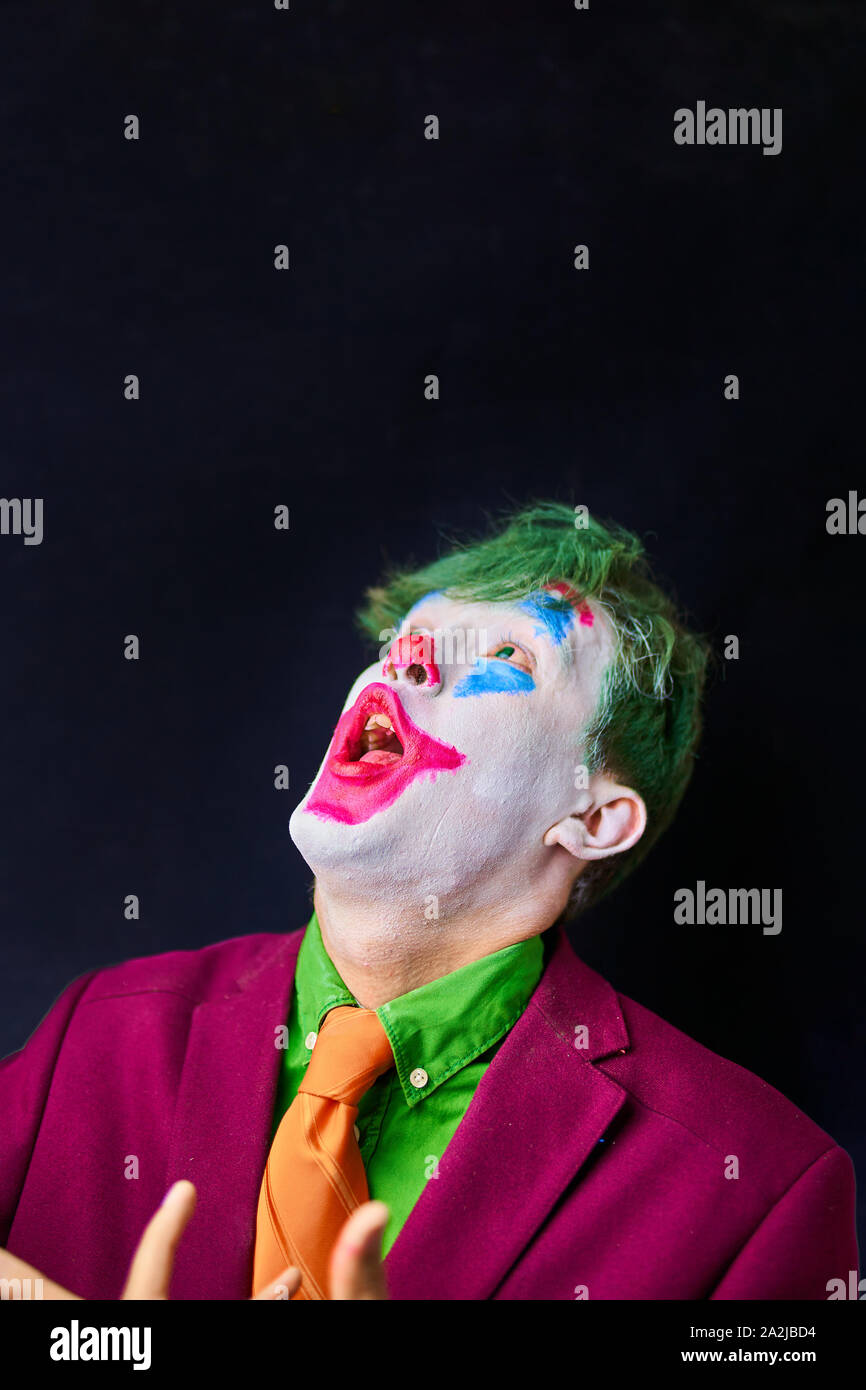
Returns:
(535,1118)
(222,1123)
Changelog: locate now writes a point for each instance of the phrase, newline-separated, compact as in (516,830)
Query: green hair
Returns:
(646,726)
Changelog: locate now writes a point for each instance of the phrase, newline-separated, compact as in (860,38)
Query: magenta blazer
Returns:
(594,1171)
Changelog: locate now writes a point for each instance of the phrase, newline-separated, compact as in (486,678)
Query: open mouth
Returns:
(375,734)
(377,742)
(376,752)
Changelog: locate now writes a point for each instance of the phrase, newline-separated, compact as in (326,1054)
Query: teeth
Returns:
(380,721)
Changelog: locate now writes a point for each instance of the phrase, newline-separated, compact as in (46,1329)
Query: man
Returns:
(431,1041)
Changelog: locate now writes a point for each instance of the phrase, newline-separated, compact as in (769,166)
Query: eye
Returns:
(513,653)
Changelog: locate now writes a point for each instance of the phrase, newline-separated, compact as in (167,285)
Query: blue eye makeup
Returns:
(554,615)
(496,674)
(492,677)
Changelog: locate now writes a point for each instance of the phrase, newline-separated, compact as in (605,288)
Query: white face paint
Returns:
(463,817)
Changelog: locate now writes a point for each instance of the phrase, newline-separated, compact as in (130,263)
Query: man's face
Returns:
(454,756)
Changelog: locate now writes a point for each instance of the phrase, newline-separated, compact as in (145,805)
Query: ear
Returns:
(612,822)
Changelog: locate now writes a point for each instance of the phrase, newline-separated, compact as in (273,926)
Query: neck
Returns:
(383,951)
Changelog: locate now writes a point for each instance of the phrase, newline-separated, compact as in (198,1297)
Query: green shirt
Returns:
(444,1036)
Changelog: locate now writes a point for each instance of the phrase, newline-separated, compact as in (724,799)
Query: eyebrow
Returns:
(556,617)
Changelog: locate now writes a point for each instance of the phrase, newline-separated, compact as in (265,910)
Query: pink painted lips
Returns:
(375,753)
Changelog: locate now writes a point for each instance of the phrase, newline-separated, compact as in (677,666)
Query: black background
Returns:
(305,388)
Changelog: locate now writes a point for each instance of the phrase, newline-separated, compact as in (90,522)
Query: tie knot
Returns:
(352,1049)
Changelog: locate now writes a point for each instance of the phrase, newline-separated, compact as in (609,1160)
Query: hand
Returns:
(356,1270)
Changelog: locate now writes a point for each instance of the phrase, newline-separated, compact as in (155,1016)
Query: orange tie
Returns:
(314,1177)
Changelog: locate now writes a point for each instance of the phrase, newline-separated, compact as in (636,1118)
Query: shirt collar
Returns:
(435,1030)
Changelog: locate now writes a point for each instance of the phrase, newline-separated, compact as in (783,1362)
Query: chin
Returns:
(380,859)
(328,844)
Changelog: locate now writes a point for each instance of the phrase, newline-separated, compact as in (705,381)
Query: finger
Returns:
(150,1272)
(39,1287)
(288,1283)
(356,1269)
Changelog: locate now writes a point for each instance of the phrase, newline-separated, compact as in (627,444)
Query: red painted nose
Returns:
(413,655)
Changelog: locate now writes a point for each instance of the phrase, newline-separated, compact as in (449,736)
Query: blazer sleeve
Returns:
(25,1080)
(806,1239)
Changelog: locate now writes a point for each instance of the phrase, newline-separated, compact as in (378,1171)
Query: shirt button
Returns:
(310,1041)
(419,1078)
